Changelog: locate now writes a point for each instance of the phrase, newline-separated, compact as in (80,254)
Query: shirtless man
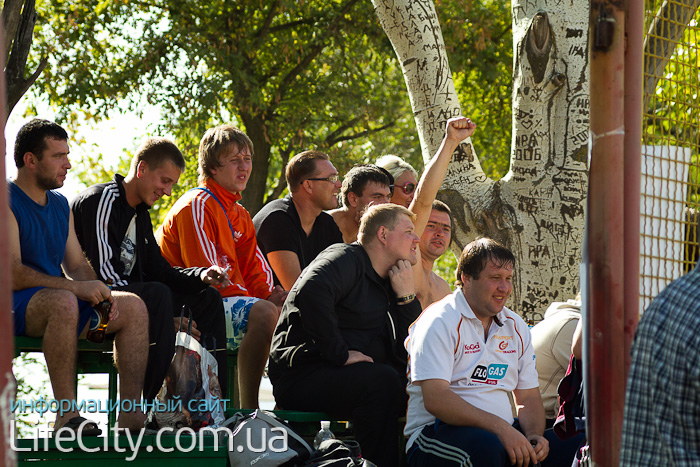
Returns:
(363,186)
(433,222)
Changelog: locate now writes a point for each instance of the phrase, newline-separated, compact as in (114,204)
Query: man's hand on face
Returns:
(401,278)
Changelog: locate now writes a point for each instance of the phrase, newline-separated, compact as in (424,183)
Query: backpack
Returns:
(263,440)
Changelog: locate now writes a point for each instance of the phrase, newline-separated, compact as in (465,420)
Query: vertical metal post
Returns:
(634,66)
(605,375)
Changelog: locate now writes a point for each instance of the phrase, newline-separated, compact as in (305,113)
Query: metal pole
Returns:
(634,65)
(605,373)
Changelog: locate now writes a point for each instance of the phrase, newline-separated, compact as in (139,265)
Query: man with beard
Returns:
(54,287)
(114,228)
(292,231)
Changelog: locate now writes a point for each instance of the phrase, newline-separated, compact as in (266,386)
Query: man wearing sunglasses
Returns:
(433,222)
(363,186)
(293,230)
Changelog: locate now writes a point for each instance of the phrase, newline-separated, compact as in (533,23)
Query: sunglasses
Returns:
(407,187)
(333,179)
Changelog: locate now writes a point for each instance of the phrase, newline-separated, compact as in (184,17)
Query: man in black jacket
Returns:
(338,347)
(114,228)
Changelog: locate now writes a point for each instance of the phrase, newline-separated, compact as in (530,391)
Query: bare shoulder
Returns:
(440,285)
(430,288)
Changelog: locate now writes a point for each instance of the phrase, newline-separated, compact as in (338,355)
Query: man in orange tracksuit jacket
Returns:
(208,227)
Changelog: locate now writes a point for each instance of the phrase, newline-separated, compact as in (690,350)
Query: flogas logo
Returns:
(490,374)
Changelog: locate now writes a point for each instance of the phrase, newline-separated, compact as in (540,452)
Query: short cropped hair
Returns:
(395,166)
(442,207)
(475,256)
(357,178)
(387,215)
(215,143)
(32,138)
(155,152)
(301,167)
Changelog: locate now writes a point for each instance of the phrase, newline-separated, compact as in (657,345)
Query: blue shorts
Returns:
(20,300)
(237,310)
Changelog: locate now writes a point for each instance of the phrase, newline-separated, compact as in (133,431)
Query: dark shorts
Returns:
(20,300)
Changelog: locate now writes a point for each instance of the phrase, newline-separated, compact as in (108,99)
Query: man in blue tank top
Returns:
(55,288)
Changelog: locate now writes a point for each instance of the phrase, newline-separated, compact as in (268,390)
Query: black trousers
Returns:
(369,394)
(162,304)
(161,333)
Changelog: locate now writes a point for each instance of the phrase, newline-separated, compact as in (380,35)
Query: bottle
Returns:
(323,434)
(98,322)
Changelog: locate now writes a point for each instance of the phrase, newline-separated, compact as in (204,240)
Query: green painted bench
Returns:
(92,358)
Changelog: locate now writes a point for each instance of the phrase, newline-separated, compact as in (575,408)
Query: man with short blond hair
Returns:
(207,227)
(292,231)
(338,345)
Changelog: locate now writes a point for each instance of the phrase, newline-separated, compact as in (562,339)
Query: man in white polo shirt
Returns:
(466,353)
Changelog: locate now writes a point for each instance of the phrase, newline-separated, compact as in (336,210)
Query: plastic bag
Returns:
(191,394)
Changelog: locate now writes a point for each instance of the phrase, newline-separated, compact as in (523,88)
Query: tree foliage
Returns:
(293,74)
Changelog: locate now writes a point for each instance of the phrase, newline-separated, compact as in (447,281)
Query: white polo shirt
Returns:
(447,342)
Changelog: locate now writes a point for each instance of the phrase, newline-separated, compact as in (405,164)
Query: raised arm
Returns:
(456,130)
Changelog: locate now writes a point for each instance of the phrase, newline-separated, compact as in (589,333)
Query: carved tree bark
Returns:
(537,209)
(19,17)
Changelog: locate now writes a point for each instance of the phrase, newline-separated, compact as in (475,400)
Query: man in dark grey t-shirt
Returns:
(292,231)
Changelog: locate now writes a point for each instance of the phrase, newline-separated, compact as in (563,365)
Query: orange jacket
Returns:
(196,232)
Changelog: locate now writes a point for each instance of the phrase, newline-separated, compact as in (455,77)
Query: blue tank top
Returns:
(43,230)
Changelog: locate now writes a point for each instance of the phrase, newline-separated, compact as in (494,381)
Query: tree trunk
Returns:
(537,209)
(19,32)
(254,193)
